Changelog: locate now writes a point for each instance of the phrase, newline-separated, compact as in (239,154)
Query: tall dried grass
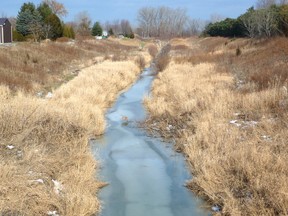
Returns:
(33,67)
(46,164)
(234,140)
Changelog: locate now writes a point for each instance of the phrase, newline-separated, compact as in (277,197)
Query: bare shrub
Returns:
(140,62)
(162,63)
(180,47)
(162,59)
(152,50)
(63,40)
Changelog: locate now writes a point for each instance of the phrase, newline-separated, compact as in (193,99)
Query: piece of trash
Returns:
(58,187)
(234,122)
(53,213)
(170,127)
(266,138)
(10,147)
(216,208)
(40,94)
(41,181)
(49,95)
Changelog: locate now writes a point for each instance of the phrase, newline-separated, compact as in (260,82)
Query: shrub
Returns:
(140,62)
(152,49)
(17,36)
(162,60)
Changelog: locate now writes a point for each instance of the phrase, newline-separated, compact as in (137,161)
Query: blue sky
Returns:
(109,10)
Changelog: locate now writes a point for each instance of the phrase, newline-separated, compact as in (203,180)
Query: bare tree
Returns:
(195,27)
(260,4)
(126,28)
(84,22)
(216,18)
(267,24)
(13,21)
(260,23)
(283,2)
(56,7)
(145,19)
(162,21)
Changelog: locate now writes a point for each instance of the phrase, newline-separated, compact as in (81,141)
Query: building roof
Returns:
(3,21)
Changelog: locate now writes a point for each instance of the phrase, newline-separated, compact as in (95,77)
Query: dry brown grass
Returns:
(46,140)
(152,50)
(39,66)
(235,141)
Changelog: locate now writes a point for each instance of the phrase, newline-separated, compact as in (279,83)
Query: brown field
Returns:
(225,103)
(34,67)
(45,159)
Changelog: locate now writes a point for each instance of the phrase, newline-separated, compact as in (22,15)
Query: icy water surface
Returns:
(145,175)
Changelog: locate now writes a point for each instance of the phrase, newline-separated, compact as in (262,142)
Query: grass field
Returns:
(46,167)
(225,103)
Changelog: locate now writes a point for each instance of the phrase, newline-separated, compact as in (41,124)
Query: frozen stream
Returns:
(145,175)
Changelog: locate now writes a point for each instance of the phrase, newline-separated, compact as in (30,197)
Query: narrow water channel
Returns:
(146,177)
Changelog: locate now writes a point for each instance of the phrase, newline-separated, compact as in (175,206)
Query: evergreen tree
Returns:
(35,25)
(110,32)
(97,29)
(56,29)
(23,20)
(28,6)
(44,10)
(68,32)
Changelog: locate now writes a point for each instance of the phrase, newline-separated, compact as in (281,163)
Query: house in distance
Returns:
(5,31)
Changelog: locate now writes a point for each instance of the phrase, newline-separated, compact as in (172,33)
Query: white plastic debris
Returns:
(40,94)
(10,147)
(53,213)
(250,123)
(170,127)
(58,187)
(234,122)
(49,95)
(216,208)
(41,181)
(266,138)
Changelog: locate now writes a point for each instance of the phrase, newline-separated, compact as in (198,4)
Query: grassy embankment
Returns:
(225,103)
(46,165)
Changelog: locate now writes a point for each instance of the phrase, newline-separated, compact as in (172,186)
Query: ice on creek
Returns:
(58,187)
(10,147)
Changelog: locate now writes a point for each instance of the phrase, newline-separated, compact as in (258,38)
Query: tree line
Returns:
(166,22)
(42,22)
(269,18)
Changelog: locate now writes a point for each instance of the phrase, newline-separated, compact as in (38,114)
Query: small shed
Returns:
(5,31)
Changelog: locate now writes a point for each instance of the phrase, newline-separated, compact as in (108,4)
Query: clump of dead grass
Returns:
(152,50)
(162,59)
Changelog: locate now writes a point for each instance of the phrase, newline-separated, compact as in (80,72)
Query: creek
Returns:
(146,176)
